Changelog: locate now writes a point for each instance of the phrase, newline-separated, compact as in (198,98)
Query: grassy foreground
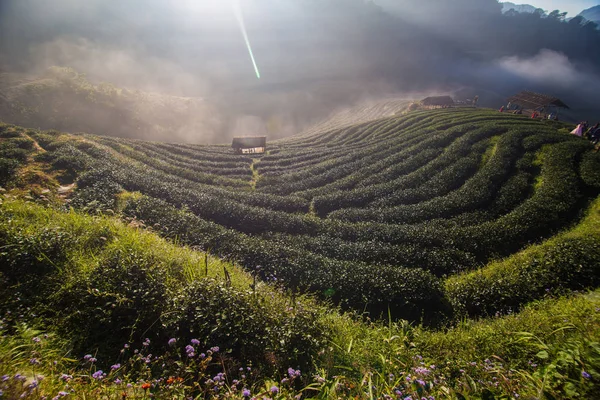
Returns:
(225,336)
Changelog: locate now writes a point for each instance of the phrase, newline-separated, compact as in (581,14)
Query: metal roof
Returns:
(249,142)
(438,101)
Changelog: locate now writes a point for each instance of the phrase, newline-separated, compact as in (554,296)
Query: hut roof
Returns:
(531,100)
(249,142)
(438,101)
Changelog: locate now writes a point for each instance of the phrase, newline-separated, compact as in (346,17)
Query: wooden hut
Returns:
(249,144)
(437,102)
(531,101)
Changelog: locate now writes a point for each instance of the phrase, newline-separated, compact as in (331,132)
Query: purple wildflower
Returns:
(191,352)
(215,349)
(115,367)
(36,339)
(89,358)
(5,378)
(118,381)
(195,342)
(60,395)
(172,342)
(585,375)
(66,378)
(98,374)
(218,377)
(274,389)
(34,361)
(293,373)
(246,393)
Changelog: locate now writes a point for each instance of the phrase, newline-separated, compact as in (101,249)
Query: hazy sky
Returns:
(573,7)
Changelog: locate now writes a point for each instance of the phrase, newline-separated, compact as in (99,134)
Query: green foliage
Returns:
(590,169)
(8,167)
(352,284)
(101,285)
(126,295)
(369,217)
(273,334)
(14,151)
(567,262)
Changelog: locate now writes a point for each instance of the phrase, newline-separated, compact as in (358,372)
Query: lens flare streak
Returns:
(240,19)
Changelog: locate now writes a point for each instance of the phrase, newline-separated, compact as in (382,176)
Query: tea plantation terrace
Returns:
(375,216)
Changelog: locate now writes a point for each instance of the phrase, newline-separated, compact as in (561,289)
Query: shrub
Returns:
(102,285)
(121,300)
(563,265)
(274,335)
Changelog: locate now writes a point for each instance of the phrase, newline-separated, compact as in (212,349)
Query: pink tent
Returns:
(578,131)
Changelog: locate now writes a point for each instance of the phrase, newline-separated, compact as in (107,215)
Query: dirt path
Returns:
(255,173)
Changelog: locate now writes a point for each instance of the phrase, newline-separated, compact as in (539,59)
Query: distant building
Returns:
(249,144)
(531,101)
(437,101)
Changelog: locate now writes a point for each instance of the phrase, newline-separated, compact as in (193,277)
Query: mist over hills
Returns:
(315,58)
(592,14)
(522,8)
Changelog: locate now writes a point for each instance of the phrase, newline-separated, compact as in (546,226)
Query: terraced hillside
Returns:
(388,214)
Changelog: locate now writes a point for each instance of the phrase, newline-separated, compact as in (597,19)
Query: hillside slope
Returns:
(397,216)
(522,8)
(63,99)
(413,197)
(85,279)
(592,14)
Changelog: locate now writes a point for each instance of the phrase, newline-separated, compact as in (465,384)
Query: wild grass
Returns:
(548,351)
(78,275)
